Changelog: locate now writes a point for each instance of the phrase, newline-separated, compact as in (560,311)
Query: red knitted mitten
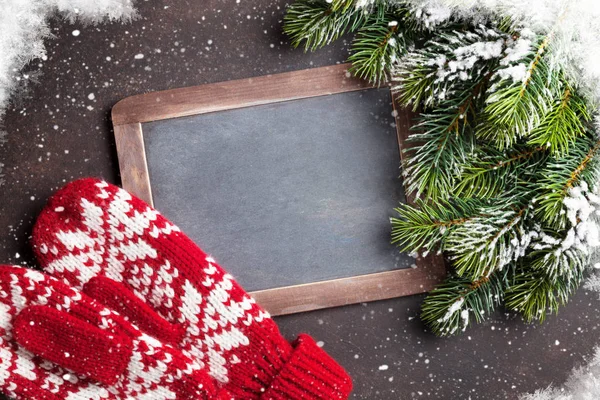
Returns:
(57,343)
(122,252)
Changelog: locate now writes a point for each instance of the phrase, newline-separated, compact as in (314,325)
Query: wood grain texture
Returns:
(130,113)
(236,94)
(356,289)
(132,160)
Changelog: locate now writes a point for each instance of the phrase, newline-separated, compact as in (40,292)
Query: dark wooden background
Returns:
(58,133)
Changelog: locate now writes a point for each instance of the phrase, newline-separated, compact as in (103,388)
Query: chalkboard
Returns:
(290,191)
(286,193)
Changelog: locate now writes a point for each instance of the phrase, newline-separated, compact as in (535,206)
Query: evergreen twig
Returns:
(503,150)
(435,156)
(450,308)
(426,226)
(317,23)
(534,294)
(492,172)
(562,174)
(563,124)
(514,109)
(485,244)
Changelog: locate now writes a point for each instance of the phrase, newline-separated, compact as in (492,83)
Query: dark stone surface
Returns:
(54,138)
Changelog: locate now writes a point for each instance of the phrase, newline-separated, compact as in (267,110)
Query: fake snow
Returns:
(452,310)
(573,25)
(583,213)
(582,384)
(24,27)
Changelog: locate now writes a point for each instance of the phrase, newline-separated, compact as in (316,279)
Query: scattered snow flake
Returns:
(76,32)
(138,56)
(384,367)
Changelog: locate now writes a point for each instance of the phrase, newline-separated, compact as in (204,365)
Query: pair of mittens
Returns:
(57,343)
(122,252)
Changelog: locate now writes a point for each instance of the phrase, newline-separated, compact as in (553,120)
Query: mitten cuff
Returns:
(309,374)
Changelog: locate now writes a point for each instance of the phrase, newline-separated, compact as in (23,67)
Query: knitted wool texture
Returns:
(59,344)
(98,237)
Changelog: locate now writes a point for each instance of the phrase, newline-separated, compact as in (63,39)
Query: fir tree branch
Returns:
(342,5)
(492,172)
(467,109)
(414,86)
(483,245)
(562,174)
(375,48)
(514,109)
(434,158)
(446,64)
(450,308)
(561,126)
(504,140)
(535,64)
(317,23)
(426,226)
(433,166)
(556,256)
(534,294)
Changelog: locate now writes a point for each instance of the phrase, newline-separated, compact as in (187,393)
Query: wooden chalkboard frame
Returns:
(129,114)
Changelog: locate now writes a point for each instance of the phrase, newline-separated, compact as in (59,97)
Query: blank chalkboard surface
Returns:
(288,180)
(285,193)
